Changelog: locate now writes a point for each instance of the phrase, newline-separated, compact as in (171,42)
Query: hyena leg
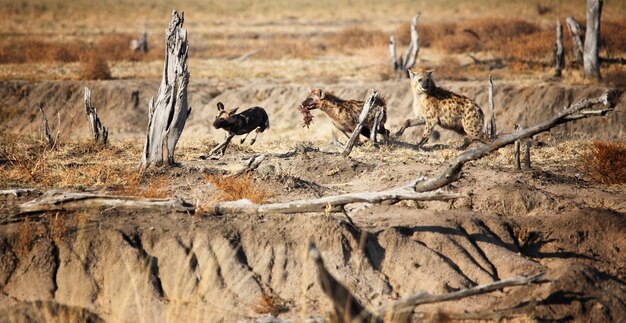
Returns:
(428,130)
(408,123)
(465,144)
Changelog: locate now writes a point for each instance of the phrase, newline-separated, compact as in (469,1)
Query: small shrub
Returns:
(94,67)
(236,188)
(57,226)
(605,162)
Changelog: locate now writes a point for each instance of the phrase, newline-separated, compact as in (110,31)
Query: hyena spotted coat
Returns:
(345,113)
(446,109)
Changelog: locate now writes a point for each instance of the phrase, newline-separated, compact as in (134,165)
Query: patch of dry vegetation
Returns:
(605,162)
(94,67)
(236,188)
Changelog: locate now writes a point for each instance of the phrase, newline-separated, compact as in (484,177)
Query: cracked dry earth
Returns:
(124,266)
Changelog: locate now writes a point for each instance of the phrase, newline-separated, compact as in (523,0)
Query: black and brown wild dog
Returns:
(239,124)
(345,113)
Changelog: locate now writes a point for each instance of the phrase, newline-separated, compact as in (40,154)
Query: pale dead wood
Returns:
(46,129)
(400,64)
(527,154)
(168,113)
(592,40)
(346,307)
(576,32)
(99,132)
(452,171)
(492,64)
(18,191)
(395,65)
(412,51)
(333,203)
(252,164)
(377,120)
(409,303)
(492,118)
(245,56)
(69,201)
(516,156)
(559,55)
(141,44)
(367,106)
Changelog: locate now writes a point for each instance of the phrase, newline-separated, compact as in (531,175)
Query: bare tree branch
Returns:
(367,106)
(409,303)
(251,165)
(46,129)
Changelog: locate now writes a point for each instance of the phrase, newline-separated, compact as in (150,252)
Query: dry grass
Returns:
(94,67)
(25,237)
(236,188)
(57,226)
(269,304)
(605,162)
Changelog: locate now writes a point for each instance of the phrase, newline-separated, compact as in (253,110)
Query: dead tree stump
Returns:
(591,61)
(100,133)
(46,129)
(559,56)
(169,112)
(141,44)
(400,64)
(492,119)
(576,31)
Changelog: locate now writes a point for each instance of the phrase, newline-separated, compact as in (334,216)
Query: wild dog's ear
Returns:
(233,111)
(220,106)
(411,74)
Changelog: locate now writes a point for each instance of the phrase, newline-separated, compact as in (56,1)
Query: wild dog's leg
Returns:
(428,130)
(408,123)
(223,145)
(256,133)
(244,138)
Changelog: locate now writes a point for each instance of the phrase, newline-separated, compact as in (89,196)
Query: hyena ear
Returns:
(411,74)
(220,106)
(322,94)
(429,73)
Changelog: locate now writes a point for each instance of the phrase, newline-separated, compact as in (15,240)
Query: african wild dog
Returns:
(345,113)
(446,109)
(239,124)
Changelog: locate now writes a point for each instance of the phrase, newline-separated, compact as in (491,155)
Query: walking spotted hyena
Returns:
(345,113)
(446,109)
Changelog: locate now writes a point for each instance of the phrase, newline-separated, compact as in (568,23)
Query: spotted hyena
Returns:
(345,113)
(446,109)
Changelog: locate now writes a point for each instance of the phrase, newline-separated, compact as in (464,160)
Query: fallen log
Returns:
(18,191)
(252,164)
(333,203)
(53,201)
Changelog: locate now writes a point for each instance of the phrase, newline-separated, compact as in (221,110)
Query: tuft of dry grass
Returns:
(236,188)
(605,162)
(269,304)
(57,226)
(25,237)
(94,67)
